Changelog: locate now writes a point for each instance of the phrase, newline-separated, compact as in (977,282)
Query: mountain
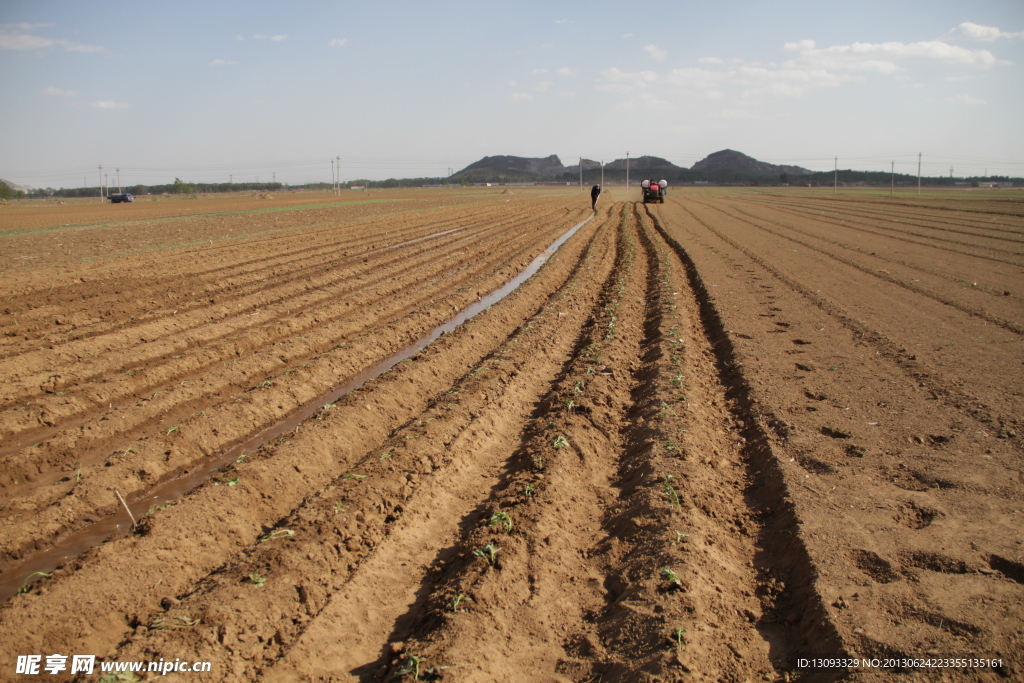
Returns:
(513,168)
(730,162)
(726,165)
(643,165)
(15,186)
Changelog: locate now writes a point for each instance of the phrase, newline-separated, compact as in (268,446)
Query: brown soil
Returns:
(706,438)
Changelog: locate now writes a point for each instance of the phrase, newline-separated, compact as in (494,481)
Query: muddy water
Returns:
(98,532)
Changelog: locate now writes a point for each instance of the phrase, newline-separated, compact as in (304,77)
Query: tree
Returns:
(5,190)
(181,187)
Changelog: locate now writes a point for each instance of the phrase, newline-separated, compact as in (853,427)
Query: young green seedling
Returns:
(673,497)
(501,518)
(279,533)
(176,622)
(676,635)
(256,580)
(560,442)
(456,600)
(26,585)
(487,552)
(669,575)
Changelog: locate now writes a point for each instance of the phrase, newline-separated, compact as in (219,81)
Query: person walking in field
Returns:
(595,192)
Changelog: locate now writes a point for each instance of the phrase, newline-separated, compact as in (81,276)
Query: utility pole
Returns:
(101,184)
(332,175)
(892,184)
(918,174)
(338,190)
(119,179)
(835,181)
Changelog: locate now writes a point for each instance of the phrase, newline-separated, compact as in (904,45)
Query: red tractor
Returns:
(654,191)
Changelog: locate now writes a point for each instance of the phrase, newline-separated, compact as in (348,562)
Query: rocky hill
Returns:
(724,165)
(729,161)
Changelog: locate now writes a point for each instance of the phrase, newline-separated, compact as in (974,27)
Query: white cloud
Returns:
(719,60)
(968,30)
(223,62)
(12,38)
(885,58)
(239,37)
(540,71)
(562,21)
(338,42)
(626,36)
(23,26)
(638,79)
(275,38)
(57,92)
(543,86)
(965,99)
(739,114)
(109,104)
(753,81)
(518,97)
(656,52)
(565,71)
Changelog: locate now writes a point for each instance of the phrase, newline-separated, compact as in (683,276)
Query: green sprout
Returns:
(673,496)
(501,518)
(456,600)
(487,552)
(669,575)
(279,533)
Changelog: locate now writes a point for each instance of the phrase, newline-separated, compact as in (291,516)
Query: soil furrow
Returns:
(178,552)
(1003,253)
(874,466)
(946,389)
(880,274)
(183,442)
(372,505)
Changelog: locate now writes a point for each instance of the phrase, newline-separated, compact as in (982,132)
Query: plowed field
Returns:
(702,440)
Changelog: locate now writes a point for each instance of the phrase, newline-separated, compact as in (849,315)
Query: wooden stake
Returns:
(126,509)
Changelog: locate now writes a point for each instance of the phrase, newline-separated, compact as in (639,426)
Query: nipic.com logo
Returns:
(36,665)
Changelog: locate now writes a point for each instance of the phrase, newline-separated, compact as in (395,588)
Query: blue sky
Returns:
(205,91)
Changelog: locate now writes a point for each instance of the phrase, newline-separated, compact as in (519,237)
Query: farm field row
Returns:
(703,438)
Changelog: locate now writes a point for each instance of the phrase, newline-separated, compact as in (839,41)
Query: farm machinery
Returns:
(654,191)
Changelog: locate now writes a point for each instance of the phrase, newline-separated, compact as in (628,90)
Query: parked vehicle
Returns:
(118,198)
(654,191)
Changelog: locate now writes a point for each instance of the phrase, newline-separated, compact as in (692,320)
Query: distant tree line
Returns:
(590,177)
(8,192)
(178,187)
